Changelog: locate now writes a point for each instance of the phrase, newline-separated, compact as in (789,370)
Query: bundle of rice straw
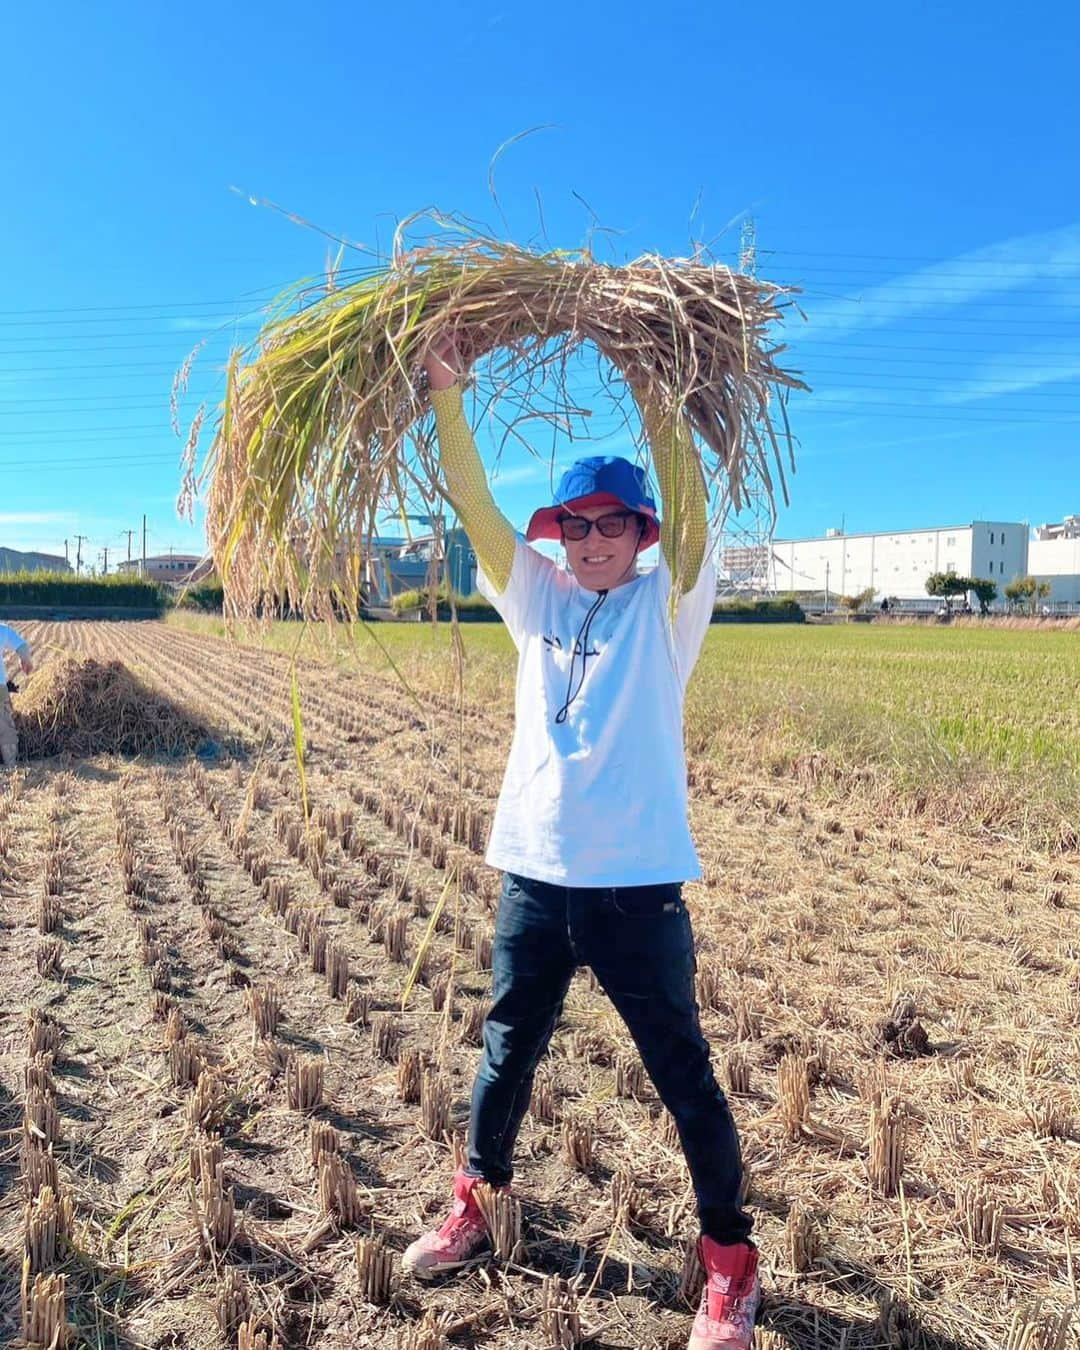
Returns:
(324,421)
(82,707)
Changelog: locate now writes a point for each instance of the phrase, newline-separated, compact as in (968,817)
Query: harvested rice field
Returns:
(241,1008)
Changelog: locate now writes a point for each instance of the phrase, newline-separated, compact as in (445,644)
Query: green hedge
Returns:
(779,610)
(758,611)
(472,606)
(61,589)
(208,596)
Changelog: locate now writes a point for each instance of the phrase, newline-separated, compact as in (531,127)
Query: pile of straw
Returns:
(324,421)
(82,707)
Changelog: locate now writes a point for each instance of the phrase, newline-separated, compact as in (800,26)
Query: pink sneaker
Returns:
(730,1299)
(462,1241)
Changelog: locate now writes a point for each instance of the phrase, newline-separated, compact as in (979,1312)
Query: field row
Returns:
(268,995)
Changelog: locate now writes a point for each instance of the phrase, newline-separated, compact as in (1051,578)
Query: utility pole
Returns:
(143,571)
(105,563)
(826,585)
(67,559)
(129,533)
(79,540)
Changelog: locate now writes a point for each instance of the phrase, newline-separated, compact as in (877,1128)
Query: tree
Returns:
(1020,593)
(985,592)
(946,585)
(853,603)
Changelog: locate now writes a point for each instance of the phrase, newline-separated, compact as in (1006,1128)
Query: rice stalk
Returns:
(304,1083)
(264,1006)
(375,1270)
(560,1323)
(325,417)
(323,1138)
(338,1194)
(44,1309)
(232,1301)
(435,1099)
(44,1034)
(887,1140)
(47,1225)
(502,1214)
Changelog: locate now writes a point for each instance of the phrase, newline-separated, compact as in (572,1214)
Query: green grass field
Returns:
(987,718)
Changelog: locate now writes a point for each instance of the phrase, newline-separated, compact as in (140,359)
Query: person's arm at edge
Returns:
(684,527)
(490,533)
(14,642)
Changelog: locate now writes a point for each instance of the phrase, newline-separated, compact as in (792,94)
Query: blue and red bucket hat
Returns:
(600,480)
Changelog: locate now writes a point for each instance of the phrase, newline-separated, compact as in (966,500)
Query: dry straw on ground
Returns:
(324,418)
(81,706)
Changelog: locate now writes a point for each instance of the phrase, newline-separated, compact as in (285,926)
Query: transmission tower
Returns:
(745,565)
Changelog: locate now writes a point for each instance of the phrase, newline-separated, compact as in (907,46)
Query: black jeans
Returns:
(639,943)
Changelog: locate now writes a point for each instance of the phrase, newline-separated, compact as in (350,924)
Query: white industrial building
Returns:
(896,563)
(1054,556)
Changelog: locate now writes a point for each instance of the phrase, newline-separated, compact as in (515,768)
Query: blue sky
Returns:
(914,172)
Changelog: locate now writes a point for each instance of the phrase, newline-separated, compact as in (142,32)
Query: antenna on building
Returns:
(746,539)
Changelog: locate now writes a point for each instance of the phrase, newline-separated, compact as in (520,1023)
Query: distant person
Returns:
(17,645)
(591,831)
(885,605)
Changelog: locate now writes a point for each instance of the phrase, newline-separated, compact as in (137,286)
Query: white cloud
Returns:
(9,519)
(1051,258)
(1012,374)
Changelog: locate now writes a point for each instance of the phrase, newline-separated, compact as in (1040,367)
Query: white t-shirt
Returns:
(10,641)
(595,787)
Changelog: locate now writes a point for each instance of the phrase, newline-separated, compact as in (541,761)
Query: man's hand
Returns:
(443,363)
(27,665)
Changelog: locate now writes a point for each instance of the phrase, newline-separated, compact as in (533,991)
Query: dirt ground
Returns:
(867,984)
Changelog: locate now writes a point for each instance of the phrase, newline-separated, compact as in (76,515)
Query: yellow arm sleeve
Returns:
(490,533)
(684,528)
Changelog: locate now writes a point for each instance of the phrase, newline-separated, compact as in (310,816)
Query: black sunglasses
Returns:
(611,527)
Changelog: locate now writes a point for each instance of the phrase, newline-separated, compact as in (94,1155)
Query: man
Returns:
(591,829)
(12,642)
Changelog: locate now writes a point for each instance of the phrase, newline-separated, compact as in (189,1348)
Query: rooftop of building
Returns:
(895,534)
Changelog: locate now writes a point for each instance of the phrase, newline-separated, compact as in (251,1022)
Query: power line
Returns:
(161,367)
(125,318)
(1002,261)
(862,351)
(805,335)
(884,318)
(893,347)
(103,431)
(832,407)
(789,336)
(870,380)
(93,461)
(130,347)
(180,334)
(935,381)
(105,403)
(1014,361)
(156,305)
(918,283)
(68,471)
